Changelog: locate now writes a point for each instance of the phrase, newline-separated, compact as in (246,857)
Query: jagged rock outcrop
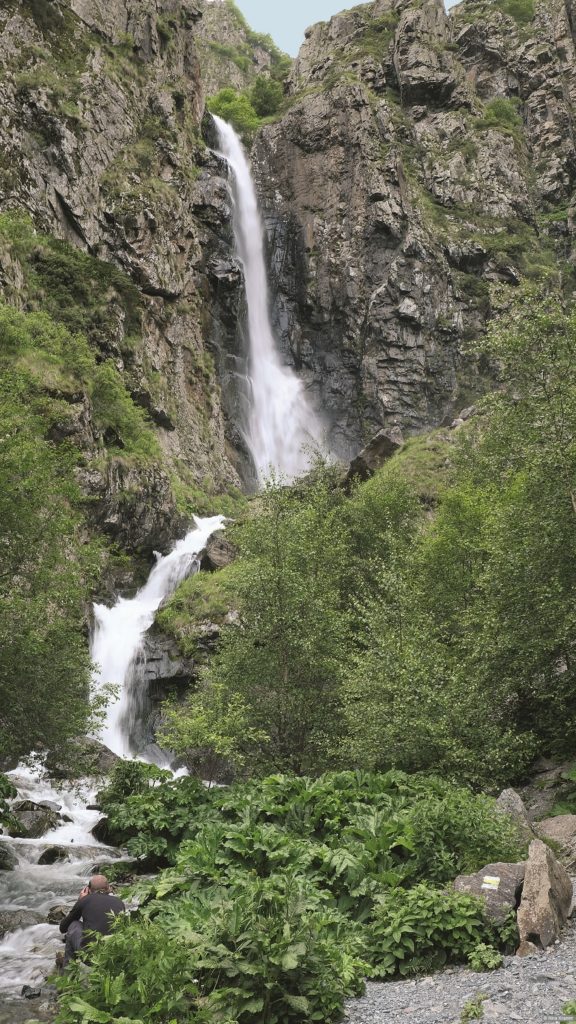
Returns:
(101,146)
(423,157)
(547,898)
(230,54)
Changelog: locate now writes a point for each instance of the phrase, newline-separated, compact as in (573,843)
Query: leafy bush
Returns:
(236,108)
(283,893)
(266,96)
(523,11)
(484,958)
(425,928)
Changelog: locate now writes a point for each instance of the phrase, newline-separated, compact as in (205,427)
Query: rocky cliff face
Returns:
(230,54)
(423,157)
(101,147)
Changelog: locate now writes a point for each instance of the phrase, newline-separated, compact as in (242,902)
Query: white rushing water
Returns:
(282,429)
(27,953)
(119,632)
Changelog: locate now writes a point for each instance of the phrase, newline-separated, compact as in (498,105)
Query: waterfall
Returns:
(119,632)
(282,428)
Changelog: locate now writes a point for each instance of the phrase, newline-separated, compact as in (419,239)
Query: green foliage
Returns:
(75,289)
(473,1009)
(283,661)
(46,566)
(203,597)
(501,113)
(7,792)
(569,1012)
(116,414)
(283,895)
(266,96)
(236,108)
(484,958)
(523,11)
(425,928)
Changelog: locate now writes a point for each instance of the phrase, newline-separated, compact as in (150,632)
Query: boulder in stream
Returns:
(11,920)
(81,757)
(34,819)
(8,859)
(53,854)
(56,913)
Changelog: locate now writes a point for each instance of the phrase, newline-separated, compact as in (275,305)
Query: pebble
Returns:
(532,990)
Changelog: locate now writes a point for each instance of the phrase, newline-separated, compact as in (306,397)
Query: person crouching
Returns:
(94,911)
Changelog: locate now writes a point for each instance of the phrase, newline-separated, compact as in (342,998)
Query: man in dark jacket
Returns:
(94,911)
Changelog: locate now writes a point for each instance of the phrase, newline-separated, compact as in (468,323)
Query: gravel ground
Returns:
(531,990)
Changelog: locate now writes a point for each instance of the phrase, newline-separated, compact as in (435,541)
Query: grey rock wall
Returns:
(396,193)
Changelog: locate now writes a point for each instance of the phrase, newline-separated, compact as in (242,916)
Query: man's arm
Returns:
(74,915)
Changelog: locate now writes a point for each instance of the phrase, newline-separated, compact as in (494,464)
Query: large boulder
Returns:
(34,819)
(101,831)
(8,859)
(511,804)
(379,449)
(546,897)
(53,854)
(80,757)
(562,830)
(57,913)
(499,885)
(219,553)
(11,920)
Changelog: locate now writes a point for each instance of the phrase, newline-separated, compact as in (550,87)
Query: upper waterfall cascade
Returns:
(282,429)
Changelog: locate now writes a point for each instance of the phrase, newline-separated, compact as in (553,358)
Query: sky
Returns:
(286,20)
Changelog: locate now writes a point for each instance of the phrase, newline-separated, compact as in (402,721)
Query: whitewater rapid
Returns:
(283,431)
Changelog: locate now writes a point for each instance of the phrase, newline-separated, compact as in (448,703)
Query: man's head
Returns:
(99,883)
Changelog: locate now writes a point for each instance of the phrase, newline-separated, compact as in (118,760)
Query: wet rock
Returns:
(499,885)
(29,992)
(53,854)
(56,913)
(101,831)
(546,897)
(34,819)
(11,920)
(8,859)
(511,804)
(81,757)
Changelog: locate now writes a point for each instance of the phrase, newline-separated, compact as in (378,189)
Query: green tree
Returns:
(281,663)
(44,663)
(236,108)
(266,96)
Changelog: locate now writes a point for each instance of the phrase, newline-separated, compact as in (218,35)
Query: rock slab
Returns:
(499,885)
(546,897)
(562,829)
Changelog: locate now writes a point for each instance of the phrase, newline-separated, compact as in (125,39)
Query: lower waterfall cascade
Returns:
(281,432)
